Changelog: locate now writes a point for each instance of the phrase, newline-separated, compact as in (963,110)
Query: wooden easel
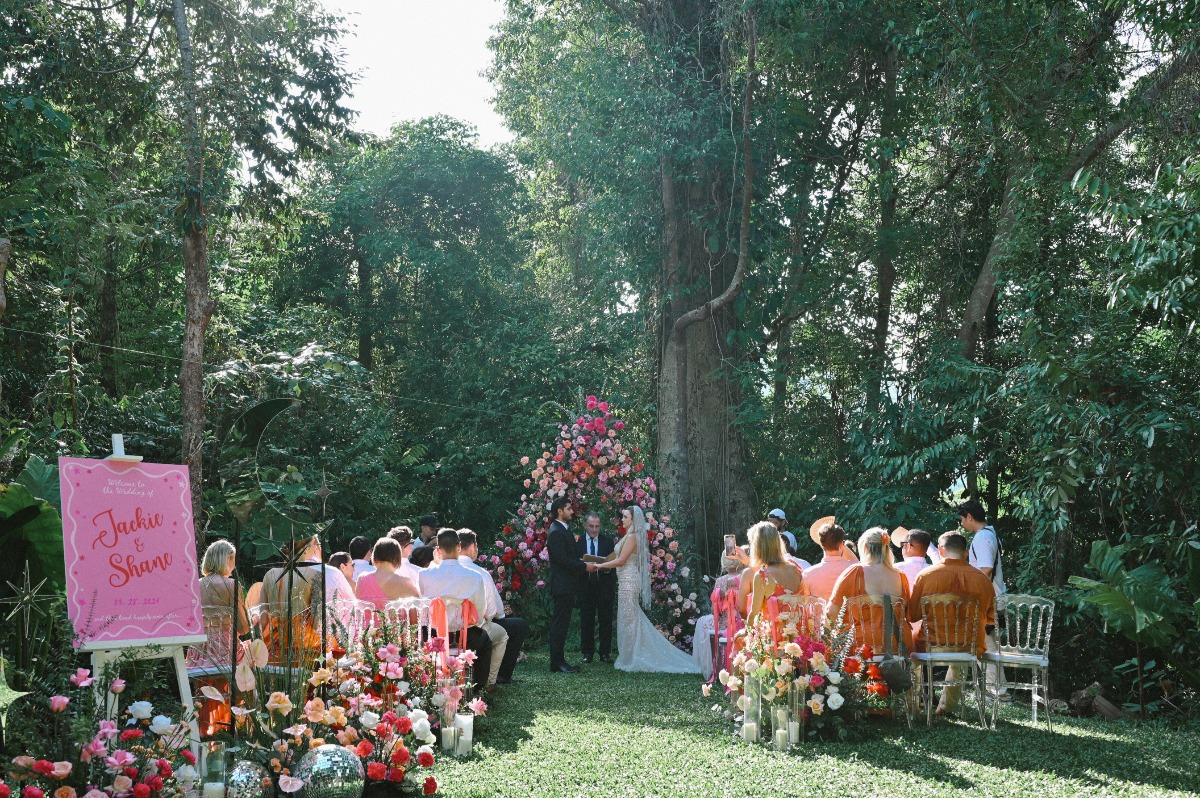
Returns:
(164,648)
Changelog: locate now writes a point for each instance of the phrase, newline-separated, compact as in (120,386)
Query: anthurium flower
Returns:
(290,784)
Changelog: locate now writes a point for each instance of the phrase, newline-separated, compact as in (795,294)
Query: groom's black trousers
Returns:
(560,621)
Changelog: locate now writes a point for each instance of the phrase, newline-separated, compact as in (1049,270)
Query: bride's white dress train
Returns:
(642,648)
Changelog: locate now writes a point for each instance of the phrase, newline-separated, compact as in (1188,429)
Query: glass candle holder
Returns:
(213,765)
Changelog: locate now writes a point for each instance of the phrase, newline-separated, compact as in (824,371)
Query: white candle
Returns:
(214,789)
(464,745)
(466,723)
(448,739)
(781,739)
(794,732)
(750,731)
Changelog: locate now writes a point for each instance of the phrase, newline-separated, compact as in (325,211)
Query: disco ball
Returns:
(246,779)
(330,771)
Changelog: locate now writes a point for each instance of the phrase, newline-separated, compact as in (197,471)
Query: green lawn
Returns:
(606,733)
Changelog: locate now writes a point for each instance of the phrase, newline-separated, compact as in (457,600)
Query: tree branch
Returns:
(739,273)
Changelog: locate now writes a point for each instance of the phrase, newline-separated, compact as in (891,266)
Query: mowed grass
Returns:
(605,733)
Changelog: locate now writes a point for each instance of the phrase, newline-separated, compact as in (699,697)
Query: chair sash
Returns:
(441,626)
(733,624)
(773,617)
(717,607)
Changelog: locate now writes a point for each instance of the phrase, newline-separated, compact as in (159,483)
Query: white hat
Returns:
(791,539)
(777,513)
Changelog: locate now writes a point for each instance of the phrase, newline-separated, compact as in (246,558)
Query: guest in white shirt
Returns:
(516,628)
(789,545)
(914,544)
(360,555)
(450,579)
(427,531)
(404,537)
(986,554)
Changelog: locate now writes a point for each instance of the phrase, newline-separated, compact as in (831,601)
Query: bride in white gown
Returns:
(642,647)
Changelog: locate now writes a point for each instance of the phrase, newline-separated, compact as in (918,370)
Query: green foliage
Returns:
(31,534)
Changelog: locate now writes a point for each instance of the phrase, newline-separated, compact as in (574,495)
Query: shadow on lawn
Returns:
(1069,753)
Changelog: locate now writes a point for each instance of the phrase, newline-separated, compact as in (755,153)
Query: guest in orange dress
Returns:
(770,573)
(876,576)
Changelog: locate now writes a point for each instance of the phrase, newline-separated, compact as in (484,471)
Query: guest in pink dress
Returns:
(384,584)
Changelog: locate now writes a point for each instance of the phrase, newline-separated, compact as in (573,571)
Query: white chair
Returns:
(346,621)
(950,626)
(414,611)
(1023,637)
(802,615)
(213,658)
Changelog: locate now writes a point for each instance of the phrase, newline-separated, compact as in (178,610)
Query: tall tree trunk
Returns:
(885,246)
(5,254)
(106,321)
(701,468)
(985,284)
(366,312)
(198,303)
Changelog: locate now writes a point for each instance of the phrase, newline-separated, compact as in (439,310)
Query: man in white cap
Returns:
(778,518)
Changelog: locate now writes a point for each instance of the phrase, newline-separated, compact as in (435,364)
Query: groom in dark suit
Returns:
(566,570)
(597,593)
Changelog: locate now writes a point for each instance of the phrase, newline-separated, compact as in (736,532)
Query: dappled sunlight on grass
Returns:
(606,733)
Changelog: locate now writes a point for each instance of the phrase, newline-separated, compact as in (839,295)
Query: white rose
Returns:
(683,572)
(369,720)
(420,728)
(723,676)
(834,677)
(186,774)
(418,715)
(835,701)
(141,710)
(161,724)
(439,700)
(751,665)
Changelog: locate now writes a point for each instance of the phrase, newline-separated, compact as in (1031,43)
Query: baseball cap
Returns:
(777,513)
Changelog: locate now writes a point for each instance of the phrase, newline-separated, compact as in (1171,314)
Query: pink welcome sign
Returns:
(130,551)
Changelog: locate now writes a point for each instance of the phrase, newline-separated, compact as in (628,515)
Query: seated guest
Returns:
(299,591)
(450,579)
(954,575)
(820,578)
(789,550)
(427,532)
(494,614)
(769,573)
(404,538)
(218,594)
(914,544)
(360,554)
(341,561)
(218,588)
(706,625)
(421,558)
(385,583)
(877,577)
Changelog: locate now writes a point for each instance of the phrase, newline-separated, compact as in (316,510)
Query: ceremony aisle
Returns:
(606,733)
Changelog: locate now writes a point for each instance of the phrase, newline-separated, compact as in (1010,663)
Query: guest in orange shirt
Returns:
(820,578)
(954,575)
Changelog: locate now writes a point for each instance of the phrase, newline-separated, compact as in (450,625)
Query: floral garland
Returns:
(592,467)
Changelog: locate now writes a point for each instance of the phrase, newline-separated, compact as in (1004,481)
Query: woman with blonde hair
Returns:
(875,576)
(219,592)
(770,573)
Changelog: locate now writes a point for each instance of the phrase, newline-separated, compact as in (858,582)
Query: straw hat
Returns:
(814,531)
(899,536)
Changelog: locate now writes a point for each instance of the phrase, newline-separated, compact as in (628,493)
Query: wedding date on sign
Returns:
(130,551)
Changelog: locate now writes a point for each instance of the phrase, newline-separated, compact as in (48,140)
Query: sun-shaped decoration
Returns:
(27,598)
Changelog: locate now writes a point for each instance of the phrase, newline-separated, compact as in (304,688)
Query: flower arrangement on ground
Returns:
(823,685)
(591,466)
(381,700)
(139,754)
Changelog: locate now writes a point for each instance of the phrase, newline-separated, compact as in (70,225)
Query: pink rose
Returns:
(61,770)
